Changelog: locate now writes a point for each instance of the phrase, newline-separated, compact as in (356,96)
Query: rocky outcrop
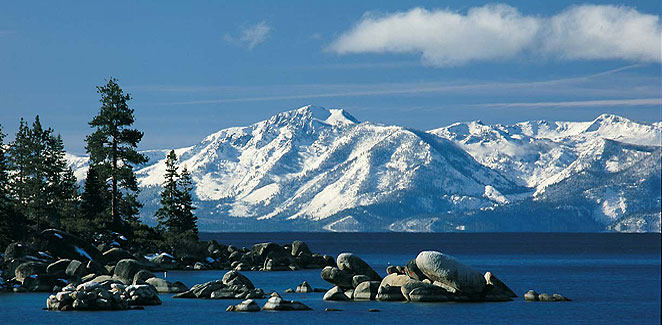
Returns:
(248,305)
(532,295)
(233,286)
(110,295)
(431,277)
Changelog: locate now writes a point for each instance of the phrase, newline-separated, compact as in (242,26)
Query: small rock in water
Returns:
(558,297)
(289,290)
(248,305)
(374,310)
(531,295)
(332,309)
(275,302)
(335,294)
(304,288)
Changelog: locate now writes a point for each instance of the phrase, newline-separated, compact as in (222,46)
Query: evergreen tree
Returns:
(188,222)
(112,148)
(95,207)
(43,185)
(12,223)
(167,214)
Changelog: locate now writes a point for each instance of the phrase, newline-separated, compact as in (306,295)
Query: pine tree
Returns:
(95,207)
(188,222)
(43,185)
(112,148)
(12,223)
(167,214)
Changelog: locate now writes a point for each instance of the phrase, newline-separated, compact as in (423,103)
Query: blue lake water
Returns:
(612,278)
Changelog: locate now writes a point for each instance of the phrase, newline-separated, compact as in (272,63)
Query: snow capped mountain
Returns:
(318,169)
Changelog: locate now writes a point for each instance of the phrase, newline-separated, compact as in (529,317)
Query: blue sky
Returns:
(196,67)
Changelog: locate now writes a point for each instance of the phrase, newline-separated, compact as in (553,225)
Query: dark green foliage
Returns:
(43,186)
(166,215)
(12,223)
(112,148)
(175,216)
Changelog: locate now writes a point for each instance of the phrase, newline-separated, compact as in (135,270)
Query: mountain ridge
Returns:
(323,170)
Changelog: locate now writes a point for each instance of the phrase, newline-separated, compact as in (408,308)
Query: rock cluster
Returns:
(59,258)
(430,277)
(532,295)
(275,302)
(234,285)
(109,295)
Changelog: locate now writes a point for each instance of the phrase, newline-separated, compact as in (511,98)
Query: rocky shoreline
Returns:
(82,276)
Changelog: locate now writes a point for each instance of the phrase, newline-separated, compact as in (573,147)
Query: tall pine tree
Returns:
(12,223)
(44,187)
(95,203)
(188,222)
(112,149)
(166,215)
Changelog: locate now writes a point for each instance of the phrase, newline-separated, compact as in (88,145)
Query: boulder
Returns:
(337,277)
(413,271)
(558,297)
(272,251)
(389,293)
(335,294)
(18,251)
(29,269)
(428,293)
(126,269)
(395,280)
(236,278)
(58,268)
(446,269)
(248,305)
(358,279)
(116,254)
(545,297)
(66,245)
(391,269)
(497,287)
(233,288)
(164,286)
(366,290)
(304,287)
(76,269)
(353,264)
(142,276)
(142,294)
(300,248)
(94,267)
(531,295)
(275,302)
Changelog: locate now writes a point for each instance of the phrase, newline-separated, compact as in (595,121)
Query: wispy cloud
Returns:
(251,36)
(497,32)
(581,103)
(611,83)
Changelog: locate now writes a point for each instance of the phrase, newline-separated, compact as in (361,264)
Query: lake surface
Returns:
(612,278)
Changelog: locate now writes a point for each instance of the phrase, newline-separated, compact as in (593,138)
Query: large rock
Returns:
(248,305)
(76,269)
(18,251)
(337,277)
(272,251)
(358,279)
(300,248)
(66,245)
(29,269)
(531,295)
(336,294)
(236,278)
(496,287)
(414,272)
(126,269)
(366,290)
(164,286)
(395,280)
(116,254)
(275,302)
(446,269)
(58,267)
(142,294)
(353,264)
(142,276)
(429,293)
(388,293)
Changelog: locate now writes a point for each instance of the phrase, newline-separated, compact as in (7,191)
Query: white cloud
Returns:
(497,32)
(251,36)
(583,103)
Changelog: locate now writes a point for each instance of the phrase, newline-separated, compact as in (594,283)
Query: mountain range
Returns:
(317,169)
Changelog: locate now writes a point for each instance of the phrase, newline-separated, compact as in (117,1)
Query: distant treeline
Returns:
(38,189)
